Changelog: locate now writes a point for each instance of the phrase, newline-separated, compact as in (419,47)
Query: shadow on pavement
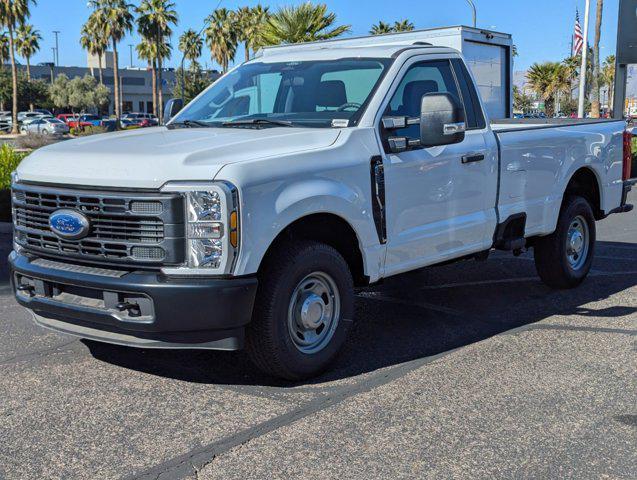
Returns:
(411,316)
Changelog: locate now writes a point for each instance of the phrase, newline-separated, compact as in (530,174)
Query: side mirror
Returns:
(442,120)
(173,106)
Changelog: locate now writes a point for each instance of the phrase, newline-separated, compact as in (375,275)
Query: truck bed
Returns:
(539,156)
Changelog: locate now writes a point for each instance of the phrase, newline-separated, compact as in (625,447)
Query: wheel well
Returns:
(584,183)
(331,230)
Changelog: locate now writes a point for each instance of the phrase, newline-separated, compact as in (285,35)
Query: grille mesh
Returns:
(121,228)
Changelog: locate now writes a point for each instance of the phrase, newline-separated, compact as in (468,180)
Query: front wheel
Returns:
(563,259)
(303,310)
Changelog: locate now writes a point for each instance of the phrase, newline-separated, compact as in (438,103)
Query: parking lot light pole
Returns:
(582,72)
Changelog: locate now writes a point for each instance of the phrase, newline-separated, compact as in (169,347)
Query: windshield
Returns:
(312,93)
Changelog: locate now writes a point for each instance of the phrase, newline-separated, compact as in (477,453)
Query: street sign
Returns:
(627,32)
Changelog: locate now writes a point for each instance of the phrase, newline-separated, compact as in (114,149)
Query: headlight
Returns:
(212,230)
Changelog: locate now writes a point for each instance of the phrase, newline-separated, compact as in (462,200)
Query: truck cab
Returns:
(250,219)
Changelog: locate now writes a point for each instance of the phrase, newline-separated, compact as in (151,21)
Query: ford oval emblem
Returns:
(69,224)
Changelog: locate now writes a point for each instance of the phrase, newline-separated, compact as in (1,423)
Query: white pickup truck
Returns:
(293,180)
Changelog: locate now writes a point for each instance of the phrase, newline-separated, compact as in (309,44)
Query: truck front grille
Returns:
(136,228)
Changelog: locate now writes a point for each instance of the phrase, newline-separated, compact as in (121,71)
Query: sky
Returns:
(541,29)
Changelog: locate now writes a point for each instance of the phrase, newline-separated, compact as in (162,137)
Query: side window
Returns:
(475,117)
(421,78)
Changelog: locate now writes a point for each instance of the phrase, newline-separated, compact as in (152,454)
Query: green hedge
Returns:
(9,161)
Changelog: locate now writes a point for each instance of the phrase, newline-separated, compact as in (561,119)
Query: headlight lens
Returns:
(212,233)
(205,253)
(205,249)
(204,206)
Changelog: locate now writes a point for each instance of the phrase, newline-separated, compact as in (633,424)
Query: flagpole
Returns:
(582,73)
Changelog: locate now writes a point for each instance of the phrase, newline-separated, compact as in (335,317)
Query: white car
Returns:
(46,126)
(292,180)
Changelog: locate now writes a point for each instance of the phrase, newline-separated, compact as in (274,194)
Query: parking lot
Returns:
(473,370)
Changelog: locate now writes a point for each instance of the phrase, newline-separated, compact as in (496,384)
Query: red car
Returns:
(73,120)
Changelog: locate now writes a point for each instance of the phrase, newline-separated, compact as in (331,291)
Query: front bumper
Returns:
(139,308)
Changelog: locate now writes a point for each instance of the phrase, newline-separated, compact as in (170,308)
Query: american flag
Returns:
(578,38)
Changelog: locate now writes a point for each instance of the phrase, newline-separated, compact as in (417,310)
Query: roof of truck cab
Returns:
(324,51)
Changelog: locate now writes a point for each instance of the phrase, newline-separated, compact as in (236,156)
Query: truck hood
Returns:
(148,158)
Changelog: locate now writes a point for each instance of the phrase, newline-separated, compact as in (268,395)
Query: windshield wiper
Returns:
(191,124)
(257,122)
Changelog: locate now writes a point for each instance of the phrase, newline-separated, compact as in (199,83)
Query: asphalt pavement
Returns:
(472,370)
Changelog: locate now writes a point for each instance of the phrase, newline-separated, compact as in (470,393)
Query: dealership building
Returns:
(136,83)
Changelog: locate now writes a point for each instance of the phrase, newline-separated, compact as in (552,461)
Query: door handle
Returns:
(473,158)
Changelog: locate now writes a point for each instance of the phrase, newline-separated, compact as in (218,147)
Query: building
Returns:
(136,83)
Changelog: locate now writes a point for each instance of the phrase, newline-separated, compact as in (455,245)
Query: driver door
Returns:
(437,205)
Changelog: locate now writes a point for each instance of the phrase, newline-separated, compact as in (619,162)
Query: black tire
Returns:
(551,254)
(269,343)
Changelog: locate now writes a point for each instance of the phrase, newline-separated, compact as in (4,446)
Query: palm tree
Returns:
(190,44)
(608,78)
(595,82)
(94,41)
(27,44)
(252,22)
(116,20)
(154,22)
(4,49)
(304,23)
(403,26)
(548,80)
(148,51)
(221,37)
(381,28)
(12,14)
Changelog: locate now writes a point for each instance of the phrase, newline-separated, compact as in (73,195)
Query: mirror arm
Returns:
(402,144)
(396,123)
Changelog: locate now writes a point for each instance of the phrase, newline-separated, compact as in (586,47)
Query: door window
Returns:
(421,78)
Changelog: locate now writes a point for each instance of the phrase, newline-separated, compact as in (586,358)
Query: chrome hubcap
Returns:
(314,312)
(577,240)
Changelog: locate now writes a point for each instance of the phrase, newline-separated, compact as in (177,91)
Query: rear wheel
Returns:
(563,259)
(303,310)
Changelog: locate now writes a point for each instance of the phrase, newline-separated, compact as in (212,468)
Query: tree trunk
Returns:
(29,80)
(99,67)
(154,80)
(160,81)
(595,81)
(247,47)
(14,75)
(116,84)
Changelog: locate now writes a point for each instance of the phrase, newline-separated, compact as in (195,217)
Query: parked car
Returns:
(141,119)
(43,111)
(90,120)
(46,126)
(292,180)
(67,117)
(28,116)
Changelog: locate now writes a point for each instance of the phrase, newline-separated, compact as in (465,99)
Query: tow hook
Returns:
(132,308)
(27,289)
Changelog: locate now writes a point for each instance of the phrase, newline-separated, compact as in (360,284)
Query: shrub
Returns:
(86,131)
(9,161)
(33,140)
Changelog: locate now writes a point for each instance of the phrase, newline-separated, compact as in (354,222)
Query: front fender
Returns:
(271,211)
